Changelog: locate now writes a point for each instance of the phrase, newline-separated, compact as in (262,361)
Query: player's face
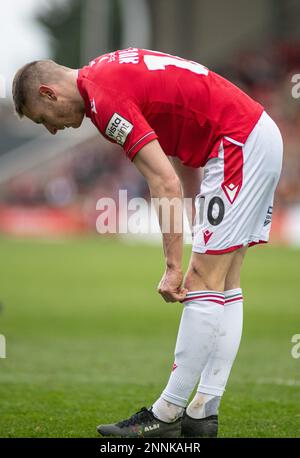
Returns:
(54,115)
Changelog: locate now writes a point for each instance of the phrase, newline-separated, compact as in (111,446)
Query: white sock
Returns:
(198,330)
(217,370)
(166,411)
(203,405)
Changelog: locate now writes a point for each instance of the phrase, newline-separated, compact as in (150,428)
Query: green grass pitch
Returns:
(89,340)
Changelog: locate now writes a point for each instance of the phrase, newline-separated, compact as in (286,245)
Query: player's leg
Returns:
(234,201)
(214,377)
(198,330)
(235,210)
(250,220)
(212,257)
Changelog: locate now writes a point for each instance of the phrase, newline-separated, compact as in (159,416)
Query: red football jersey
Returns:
(135,95)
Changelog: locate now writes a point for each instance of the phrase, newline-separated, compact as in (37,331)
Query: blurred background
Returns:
(49,185)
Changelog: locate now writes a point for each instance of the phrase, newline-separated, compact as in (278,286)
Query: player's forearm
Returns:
(173,248)
(167,198)
(190,181)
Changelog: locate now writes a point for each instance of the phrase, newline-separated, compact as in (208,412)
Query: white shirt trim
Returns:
(149,133)
(231,140)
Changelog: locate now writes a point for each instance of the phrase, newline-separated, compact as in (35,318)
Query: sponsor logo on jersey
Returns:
(118,128)
(268,219)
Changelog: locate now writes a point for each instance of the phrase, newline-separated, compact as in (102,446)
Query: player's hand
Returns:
(170,286)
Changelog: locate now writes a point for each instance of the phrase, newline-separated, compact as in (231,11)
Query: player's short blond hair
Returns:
(27,79)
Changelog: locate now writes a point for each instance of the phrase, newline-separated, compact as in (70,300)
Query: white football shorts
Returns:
(234,207)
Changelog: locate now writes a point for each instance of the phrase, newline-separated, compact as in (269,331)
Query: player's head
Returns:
(47,93)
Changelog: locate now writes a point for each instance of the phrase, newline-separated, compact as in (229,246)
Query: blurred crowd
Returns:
(270,76)
(90,171)
(96,169)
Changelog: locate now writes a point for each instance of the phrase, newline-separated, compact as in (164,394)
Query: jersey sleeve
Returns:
(121,121)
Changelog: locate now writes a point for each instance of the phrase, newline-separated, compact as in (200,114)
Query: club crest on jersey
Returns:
(118,128)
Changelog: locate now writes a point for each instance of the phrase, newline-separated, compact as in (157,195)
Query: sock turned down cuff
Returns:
(233,295)
(205,296)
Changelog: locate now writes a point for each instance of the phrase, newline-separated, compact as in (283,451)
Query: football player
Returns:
(172,117)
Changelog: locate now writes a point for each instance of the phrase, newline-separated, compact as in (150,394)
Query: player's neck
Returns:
(72,88)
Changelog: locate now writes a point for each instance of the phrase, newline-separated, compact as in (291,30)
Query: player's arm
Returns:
(190,181)
(163,182)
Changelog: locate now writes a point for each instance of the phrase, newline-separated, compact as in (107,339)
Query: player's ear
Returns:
(48,92)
